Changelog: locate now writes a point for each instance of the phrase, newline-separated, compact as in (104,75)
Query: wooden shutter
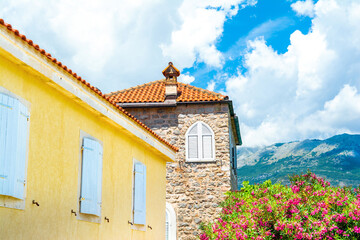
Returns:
(20,169)
(139,193)
(91,177)
(207,146)
(13,146)
(207,142)
(7,148)
(193,146)
(99,179)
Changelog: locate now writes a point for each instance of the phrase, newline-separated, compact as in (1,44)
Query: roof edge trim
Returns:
(17,45)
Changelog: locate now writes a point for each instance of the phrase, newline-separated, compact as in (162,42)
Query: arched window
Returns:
(170,227)
(200,143)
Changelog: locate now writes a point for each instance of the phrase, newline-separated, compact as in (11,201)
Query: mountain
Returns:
(336,158)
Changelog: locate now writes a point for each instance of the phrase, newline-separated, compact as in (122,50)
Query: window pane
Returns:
(207,146)
(193,146)
(205,130)
(194,130)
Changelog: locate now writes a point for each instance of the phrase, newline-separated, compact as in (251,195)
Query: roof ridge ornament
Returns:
(171,73)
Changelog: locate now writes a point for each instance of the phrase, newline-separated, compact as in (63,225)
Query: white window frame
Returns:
(172,221)
(199,134)
(8,201)
(83,216)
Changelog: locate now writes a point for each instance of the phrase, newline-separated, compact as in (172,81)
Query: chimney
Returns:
(171,74)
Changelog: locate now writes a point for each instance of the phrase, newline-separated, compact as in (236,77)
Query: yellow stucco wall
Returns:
(53,167)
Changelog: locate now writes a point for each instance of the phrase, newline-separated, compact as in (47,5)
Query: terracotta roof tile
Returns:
(155,92)
(82,81)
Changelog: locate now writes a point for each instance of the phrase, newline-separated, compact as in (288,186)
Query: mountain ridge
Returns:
(336,158)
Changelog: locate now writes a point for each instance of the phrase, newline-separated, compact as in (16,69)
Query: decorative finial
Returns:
(171,71)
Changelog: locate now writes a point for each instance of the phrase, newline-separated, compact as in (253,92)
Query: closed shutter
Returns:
(19,180)
(207,147)
(207,144)
(99,179)
(91,177)
(139,193)
(193,146)
(13,140)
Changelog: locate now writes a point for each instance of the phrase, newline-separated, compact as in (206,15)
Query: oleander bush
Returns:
(310,208)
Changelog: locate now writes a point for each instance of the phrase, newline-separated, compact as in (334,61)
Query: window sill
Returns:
(138,227)
(10,202)
(88,217)
(200,161)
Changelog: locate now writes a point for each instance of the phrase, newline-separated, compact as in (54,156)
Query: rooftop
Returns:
(155,92)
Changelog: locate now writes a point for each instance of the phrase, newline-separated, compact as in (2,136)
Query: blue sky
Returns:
(275,21)
(291,67)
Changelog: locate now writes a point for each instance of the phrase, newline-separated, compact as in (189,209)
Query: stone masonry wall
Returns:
(193,189)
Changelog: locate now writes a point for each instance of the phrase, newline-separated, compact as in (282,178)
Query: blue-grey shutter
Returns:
(99,179)
(22,135)
(91,175)
(139,193)
(13,139)
(7,124)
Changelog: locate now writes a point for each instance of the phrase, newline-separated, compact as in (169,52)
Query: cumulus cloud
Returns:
(311,90)
(186,78)
(202,25)
(342,113)
(305,8)
(211,86)
(113,44)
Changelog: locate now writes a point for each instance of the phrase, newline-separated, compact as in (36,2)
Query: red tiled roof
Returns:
(83,82)
(155,92)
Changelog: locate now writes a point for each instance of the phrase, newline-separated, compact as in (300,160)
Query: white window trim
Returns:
(7,201)
(199,159)
(172,221)
(83,216)
(137,227)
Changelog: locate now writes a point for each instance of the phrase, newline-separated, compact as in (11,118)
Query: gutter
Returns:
(148,104)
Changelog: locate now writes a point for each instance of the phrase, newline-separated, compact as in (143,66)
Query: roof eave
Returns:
(25,51)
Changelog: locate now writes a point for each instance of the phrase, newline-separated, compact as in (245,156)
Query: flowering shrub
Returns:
(307,209)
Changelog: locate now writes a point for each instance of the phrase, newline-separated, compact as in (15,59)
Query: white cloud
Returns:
(342,112)
(202,25)
(211,86)
(305,8)
(116,44)
(311,90)
(186,78)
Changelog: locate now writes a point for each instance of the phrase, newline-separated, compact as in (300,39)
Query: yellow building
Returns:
(73,165)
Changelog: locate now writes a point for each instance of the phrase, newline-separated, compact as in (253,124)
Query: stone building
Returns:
(203,125)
